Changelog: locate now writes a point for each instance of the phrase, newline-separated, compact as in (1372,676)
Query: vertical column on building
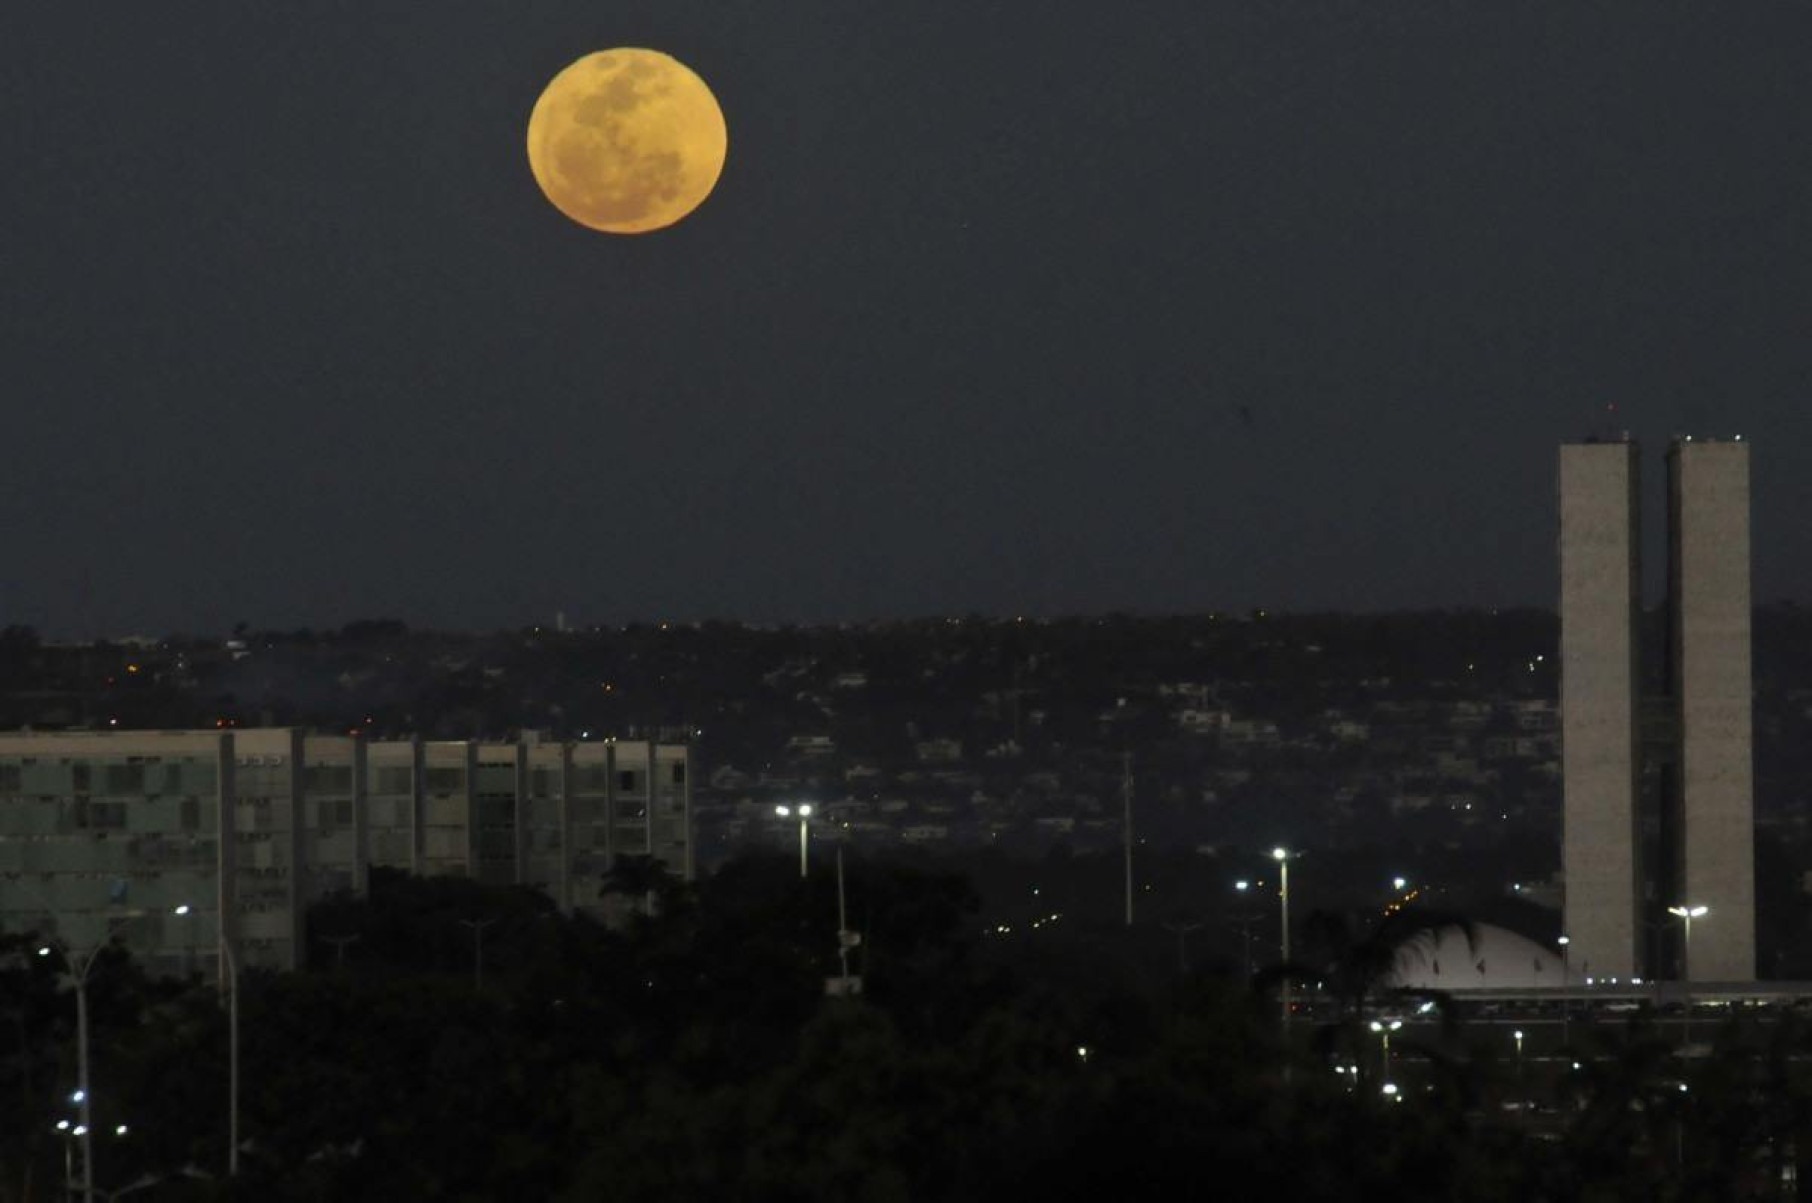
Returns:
(418,771)
(295,896)
(226,853)
(652,792)
(610,805)
(518,816)
(473,867)
(564,882)
(1708,502)
(361,822)
(686,812)
(1600,607)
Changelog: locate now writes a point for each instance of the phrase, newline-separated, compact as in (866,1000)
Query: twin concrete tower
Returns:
(1657,746)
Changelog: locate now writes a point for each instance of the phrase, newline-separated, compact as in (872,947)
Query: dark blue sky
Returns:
(1012,308)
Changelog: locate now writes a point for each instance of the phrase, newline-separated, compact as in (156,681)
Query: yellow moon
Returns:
(627,141)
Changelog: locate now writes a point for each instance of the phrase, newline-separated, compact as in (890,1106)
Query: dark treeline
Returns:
(693,1054)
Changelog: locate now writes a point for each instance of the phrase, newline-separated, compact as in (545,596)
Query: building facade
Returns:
(114,833)
(1711,802)
(1600,700)
(1690,766)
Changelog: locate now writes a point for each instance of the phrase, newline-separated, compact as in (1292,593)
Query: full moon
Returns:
(626,141)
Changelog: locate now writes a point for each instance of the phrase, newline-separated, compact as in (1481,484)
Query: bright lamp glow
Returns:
(805,812)
(1280,854)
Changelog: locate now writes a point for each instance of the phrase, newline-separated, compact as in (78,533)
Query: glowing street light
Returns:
(1687,914)
(78,963)
(1282,856)
(1244,922)
(1384,1029)
(804,811)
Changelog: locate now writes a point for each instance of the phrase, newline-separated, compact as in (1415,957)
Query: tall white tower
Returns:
(1600,608)
(1713,806)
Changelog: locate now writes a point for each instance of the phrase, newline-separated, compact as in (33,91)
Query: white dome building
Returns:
(1493,959)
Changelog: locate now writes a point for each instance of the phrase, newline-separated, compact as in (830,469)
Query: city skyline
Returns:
(992,311)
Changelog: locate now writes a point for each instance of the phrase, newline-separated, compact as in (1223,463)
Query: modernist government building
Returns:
(110,833)
(1657,746)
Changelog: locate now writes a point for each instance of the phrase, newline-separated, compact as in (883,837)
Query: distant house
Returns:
(728,777)
(938,751)
(1193,721)
(1250,732)
(811,745)
(925,833)
(1536,714)
(1189,691)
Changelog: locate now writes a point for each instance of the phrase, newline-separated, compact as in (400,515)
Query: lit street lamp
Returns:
(1282,857)
(1566,1002)
(1687,914)
(78,963)
(1522,1079)
(804,811)
(1384,1030)
(1245,921)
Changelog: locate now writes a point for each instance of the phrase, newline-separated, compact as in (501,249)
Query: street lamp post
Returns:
(339,945)
(1244,922)
(1181,931)
(1126,828)
(1384,1029)
(231,962)
(1687,914)
(1282,857)
(804,811)
(477,926)
(1566,981)
(79,964)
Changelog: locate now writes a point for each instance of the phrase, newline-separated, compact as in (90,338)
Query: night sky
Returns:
(1007,308)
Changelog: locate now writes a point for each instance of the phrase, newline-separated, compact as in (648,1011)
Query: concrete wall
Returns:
(1599,607)
(1709,504)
